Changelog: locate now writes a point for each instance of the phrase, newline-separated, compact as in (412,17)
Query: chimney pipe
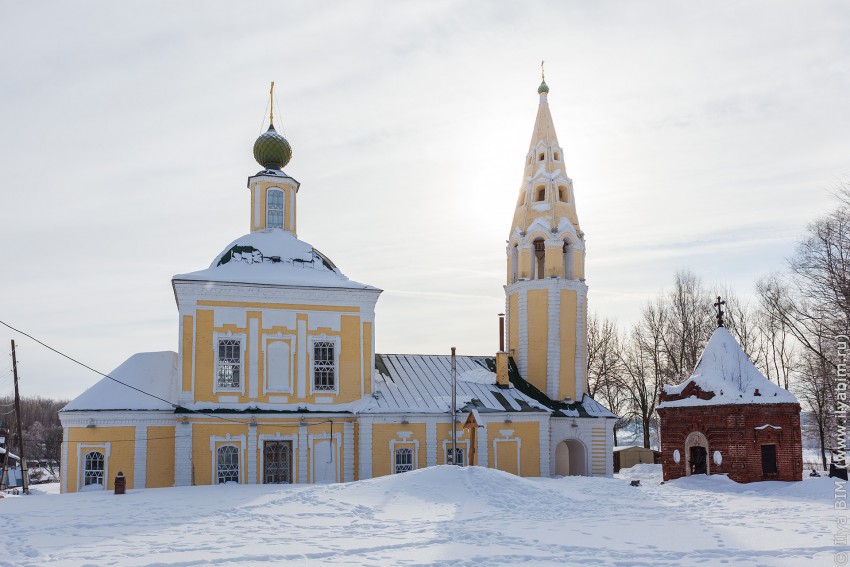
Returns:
(501,332)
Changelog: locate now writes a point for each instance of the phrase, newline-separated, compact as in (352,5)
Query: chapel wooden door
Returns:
(698,460)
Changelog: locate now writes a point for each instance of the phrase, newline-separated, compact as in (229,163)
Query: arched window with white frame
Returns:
(227,461)
(93,468)
(274,208)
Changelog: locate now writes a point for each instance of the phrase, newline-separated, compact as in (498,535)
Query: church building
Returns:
(276,378)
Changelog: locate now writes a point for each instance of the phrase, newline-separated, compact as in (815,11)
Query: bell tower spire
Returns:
(273,192)
(546,294)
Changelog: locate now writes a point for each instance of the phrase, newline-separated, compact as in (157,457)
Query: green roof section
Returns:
(543,88)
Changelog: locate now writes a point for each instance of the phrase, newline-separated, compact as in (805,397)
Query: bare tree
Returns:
(604,369)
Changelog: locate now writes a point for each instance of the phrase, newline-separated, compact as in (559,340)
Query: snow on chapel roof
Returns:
(725,371)
(273,256)
(153,372)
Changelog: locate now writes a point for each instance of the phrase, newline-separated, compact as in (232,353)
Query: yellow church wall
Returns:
(353,362)
(160,457)
(554,261)
(568,346)
(349,359)
(383,460)
(116,443)
(444,441)
(202,455)
(283,430)
(367,358)
(513,324)
(204,361)
(188,332)
(538,323)
(514,447)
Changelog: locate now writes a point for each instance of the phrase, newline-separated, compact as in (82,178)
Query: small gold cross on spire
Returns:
(271,105)
(542,71)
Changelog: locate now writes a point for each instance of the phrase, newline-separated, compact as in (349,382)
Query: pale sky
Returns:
(701,136)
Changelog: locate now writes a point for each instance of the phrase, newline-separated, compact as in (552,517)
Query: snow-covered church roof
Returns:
(273,256)
(724,374)
(152,372)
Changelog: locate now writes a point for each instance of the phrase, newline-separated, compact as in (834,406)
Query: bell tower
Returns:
(546,295)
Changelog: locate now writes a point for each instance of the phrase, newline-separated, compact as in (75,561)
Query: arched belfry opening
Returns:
(568,261)
(539,269)
(571,458)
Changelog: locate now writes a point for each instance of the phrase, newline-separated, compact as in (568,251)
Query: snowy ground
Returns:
(436,516)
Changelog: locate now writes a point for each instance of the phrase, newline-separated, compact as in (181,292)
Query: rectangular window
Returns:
(458,456)
(324,366)
(403,460)
(229,364)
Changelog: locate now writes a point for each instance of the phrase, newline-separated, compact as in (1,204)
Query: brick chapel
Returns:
(727,418)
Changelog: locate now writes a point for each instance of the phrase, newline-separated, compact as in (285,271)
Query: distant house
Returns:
(630,455)
(727,418)
(13,474)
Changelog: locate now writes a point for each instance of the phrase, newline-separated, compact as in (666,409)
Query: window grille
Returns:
(93,473)
(403,460)
(274,208)
(324,366)
(228,464)
(458,460)
(229,363)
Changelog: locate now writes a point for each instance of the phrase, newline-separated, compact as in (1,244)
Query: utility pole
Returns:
(24,473)
(454,408)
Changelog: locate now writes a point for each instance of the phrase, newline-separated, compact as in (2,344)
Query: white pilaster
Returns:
(183,454)
(301,349)
(140,457)
(482,446)
(348,451)
(545,456)
(252,453)
(254,339)
(303,475)
(431,443)
(365,450)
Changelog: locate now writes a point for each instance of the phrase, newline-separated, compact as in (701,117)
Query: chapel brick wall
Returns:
(731,429)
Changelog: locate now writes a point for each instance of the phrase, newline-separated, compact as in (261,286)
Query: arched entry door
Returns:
(571,458)
(696,453)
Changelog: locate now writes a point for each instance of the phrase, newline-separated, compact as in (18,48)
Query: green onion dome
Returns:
(543,88)
(271,150)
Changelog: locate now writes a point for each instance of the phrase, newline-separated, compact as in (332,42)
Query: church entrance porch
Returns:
(571,458)
(277,462)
